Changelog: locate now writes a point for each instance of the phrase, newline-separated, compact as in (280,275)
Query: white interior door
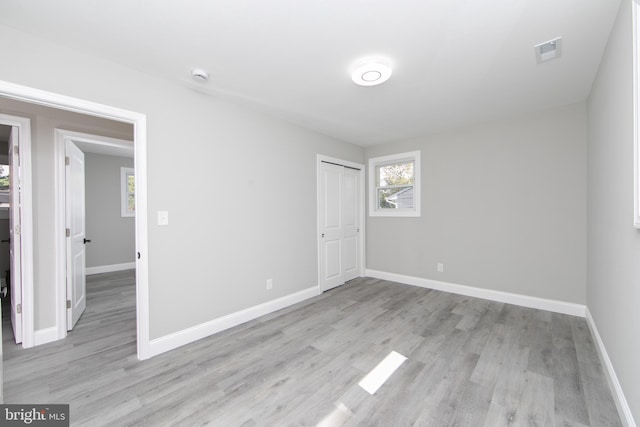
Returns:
(350,208)
(339,217)
(330,226)
(15,242)
(76,252)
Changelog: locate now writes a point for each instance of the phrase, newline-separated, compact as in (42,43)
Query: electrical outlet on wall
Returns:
(269,284)
(440,267)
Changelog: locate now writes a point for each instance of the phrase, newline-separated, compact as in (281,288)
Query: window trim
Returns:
(374,162)
(124,192)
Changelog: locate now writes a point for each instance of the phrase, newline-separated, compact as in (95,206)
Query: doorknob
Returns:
(85,241)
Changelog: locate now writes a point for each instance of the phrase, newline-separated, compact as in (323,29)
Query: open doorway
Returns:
(46,324)
(17,207)
(5,274)
(5,134)
(97,201)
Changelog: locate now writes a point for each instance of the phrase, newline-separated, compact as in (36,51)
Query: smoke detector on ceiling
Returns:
(199,75)
(548,50)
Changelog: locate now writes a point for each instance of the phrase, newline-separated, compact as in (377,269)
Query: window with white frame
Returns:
(394,185)
(128,192)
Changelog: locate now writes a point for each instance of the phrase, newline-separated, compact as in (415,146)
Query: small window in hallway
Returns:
(128,184)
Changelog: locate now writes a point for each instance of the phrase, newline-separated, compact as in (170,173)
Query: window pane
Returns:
(394,174)
(131,203)
(131,184)
(395,198)
(4,178)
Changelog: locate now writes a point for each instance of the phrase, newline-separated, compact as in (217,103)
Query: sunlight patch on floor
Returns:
(381,373)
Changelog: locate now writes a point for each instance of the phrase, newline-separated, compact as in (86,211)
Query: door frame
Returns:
(26,224)
(361,252)
(61,136)
(139,122)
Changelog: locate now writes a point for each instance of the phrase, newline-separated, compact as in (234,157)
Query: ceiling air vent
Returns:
(548,50)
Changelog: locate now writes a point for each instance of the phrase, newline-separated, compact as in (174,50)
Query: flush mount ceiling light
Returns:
(371,71)
(548,50)
(199,75)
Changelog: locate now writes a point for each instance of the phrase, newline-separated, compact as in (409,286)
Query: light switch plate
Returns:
(163,218)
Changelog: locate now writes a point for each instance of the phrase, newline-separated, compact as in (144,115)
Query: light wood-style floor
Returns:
(471,362)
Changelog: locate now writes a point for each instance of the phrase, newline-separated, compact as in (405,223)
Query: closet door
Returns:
(350,207)
(339,217)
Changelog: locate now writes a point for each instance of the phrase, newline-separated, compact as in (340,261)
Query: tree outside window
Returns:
(128,189)
(394,182)
(4,178)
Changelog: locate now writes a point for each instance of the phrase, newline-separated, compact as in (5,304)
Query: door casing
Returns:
(320,159)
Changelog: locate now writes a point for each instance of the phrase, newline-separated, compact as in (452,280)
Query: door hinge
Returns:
(67,161)
(16,150)
(68,232)
(16,230)
(19,308)
(68,303)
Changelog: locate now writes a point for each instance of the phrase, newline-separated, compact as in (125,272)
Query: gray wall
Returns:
(613,287)
(112,235)
(227,232)
(503,208)
(43,122)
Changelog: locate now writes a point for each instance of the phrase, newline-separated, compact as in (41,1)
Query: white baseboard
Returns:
(499,296)
(621,402)
(46,335)
(194,333)
(110,268)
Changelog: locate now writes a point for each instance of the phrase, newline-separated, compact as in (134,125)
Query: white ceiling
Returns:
(456,62)
(106,149)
